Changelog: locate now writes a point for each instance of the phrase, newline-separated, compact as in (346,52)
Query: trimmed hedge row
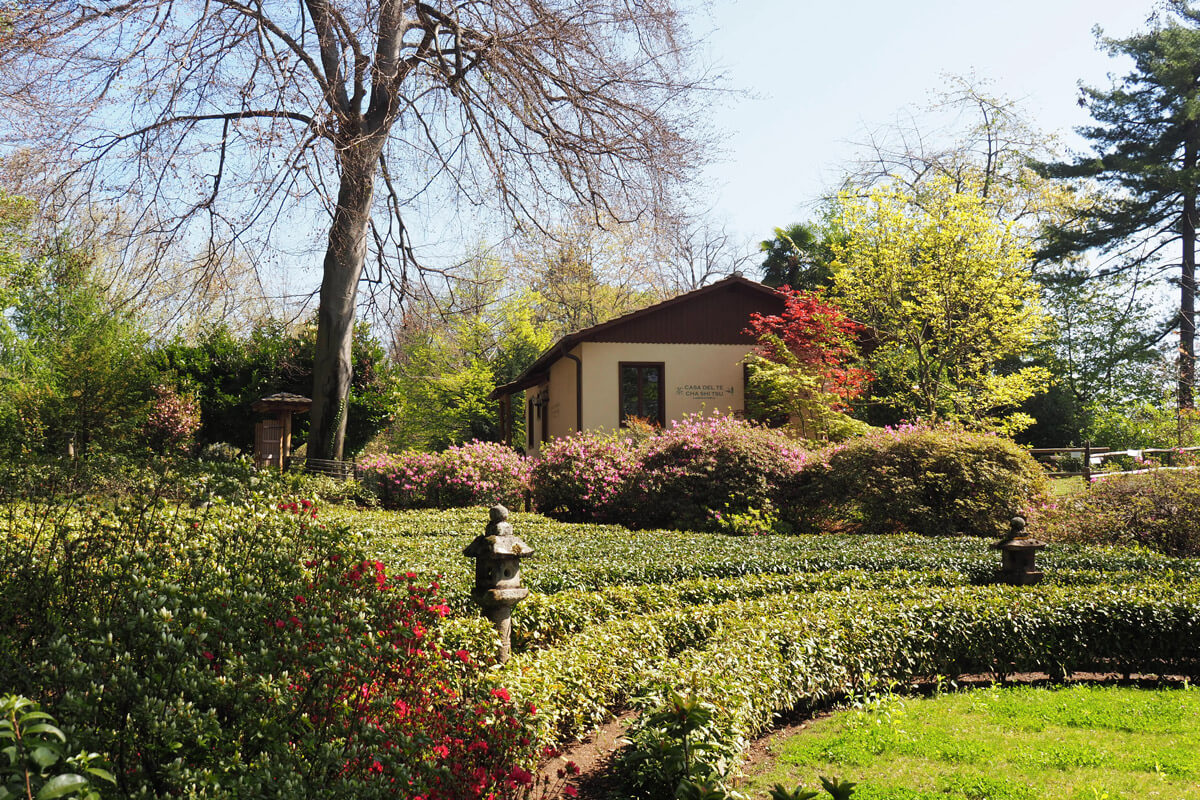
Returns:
(542,620)
(764,661)
(596,557)
(753,659)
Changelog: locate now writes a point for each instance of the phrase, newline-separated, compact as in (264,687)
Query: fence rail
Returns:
(1093,457)
(337,469)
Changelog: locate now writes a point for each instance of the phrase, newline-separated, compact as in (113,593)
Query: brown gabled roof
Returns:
(713,314)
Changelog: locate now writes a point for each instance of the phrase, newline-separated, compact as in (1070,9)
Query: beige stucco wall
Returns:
(562,396)
(696,378)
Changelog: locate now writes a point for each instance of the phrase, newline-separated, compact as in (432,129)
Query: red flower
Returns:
(502,694)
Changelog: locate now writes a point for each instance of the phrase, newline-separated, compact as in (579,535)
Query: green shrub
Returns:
(1159,510)
(36,761)
(938,482)
(247,651)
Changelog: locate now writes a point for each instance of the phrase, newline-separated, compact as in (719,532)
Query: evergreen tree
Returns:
(1146,139)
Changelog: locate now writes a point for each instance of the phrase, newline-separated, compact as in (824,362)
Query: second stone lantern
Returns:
(498,553)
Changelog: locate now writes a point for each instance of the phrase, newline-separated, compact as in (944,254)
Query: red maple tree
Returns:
(816,338)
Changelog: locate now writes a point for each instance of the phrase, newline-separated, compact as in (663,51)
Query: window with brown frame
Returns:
(642,393)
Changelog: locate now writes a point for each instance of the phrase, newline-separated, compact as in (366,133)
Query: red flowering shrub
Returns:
(411,716)
(247,652)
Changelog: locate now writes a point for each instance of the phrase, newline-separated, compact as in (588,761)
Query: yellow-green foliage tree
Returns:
(944,290)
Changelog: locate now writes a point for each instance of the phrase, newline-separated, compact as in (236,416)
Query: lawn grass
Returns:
(1066,487)
(1081,742)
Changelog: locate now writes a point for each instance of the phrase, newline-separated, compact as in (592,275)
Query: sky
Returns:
(814,77)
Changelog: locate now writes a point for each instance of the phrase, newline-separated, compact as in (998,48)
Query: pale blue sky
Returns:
(823,73)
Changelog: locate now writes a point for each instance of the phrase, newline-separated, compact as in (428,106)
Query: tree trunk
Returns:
(343,266)
(1187,286)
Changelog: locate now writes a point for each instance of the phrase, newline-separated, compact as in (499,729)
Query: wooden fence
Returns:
(1092,459)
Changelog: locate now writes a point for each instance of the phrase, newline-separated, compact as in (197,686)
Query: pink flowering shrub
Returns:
(401,480)
(583,477)
(173,420)
(699,473)
(934,481)
(481,474)
(701,469)
(477,473)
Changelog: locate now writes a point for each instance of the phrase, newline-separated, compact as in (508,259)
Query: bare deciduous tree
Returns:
(695,251)
(235,119)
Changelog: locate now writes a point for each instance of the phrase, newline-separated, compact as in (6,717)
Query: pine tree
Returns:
(1146,139)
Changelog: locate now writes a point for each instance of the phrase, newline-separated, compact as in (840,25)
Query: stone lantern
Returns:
(1018,553)
(498,553)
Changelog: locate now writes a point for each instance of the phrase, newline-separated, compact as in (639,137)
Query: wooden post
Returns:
(285,441)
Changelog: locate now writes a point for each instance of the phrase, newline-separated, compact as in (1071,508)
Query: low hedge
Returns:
(753,659)
(542,620)
(593,557)
(765,660)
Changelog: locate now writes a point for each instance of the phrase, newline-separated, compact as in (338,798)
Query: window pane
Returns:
(629,392)
(652,377)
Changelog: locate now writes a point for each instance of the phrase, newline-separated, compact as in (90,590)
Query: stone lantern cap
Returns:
(498,539)
(1017,540)
(282,401)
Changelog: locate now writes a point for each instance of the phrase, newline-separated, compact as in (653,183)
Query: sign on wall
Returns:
(703,391)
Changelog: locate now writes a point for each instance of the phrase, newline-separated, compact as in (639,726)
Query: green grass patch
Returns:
(1066,487)
(1076,743)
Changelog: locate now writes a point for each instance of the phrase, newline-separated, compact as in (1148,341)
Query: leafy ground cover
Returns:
(1081,742)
